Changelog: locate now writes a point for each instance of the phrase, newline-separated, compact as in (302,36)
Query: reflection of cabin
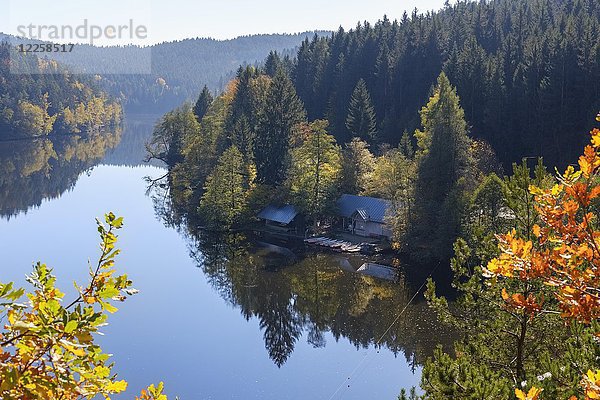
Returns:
(364,216)
(281,218)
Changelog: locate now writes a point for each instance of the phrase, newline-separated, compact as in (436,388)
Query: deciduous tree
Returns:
(48,349)
(315,171)
(226,190)
(357,166)
(561,251)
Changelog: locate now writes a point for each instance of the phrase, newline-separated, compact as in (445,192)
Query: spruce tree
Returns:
(240,124)
(204,101)
(273,63)
(361,120)
(283,109)
(444,163)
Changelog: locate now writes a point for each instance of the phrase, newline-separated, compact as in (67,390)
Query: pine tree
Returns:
(282,111)
(444,163)
(361,120)
(204,101)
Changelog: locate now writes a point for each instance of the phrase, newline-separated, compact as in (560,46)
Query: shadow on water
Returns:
(312,293)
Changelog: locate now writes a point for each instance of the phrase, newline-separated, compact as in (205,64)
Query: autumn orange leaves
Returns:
(565,251)
(562,252)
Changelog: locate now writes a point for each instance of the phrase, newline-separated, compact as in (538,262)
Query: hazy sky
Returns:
(230,18)
(222,19)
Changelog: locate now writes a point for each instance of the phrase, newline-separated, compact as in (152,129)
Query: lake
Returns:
(216,318)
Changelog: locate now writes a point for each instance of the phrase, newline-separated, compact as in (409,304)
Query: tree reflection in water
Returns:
(38,169)
(298,292)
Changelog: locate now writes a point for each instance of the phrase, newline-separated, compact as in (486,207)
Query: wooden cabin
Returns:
(364,216)
(285,218)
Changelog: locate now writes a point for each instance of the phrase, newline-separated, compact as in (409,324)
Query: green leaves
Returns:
(316,170)
(108,293)
(7,292)
(113,221)
(8,295)
(226,191)
(109,307)
(71,326)
(153,393)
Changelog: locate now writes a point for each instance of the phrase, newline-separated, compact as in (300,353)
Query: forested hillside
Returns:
(527,73)
(179,68)
(357,113)
(417,112)
(45,98)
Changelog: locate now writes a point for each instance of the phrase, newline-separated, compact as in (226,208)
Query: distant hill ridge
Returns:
(180,68)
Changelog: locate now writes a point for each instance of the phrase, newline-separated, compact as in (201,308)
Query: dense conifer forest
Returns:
(417,111)
(527,73)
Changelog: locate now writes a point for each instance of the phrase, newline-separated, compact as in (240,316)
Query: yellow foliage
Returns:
(47,350)
(591,385)
(533,394)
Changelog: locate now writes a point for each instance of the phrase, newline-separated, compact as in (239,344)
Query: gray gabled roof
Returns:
(280,214)
(364,214)
(372,207)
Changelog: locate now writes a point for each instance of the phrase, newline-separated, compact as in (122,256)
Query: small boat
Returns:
(336,244)
(340,245)
(353,249)
(314,240)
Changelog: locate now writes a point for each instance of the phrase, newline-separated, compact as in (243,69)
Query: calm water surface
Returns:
(215,319)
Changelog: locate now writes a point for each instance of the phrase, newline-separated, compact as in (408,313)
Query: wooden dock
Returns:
(342,245)
(336,245)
